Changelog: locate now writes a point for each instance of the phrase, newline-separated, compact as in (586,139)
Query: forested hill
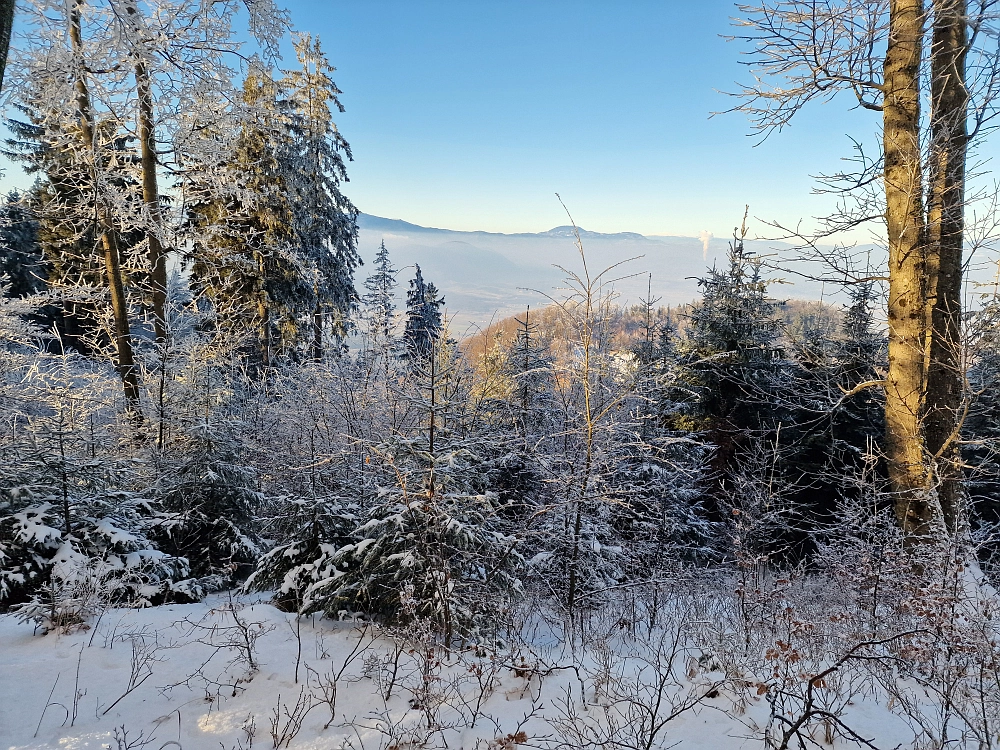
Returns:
(800,320)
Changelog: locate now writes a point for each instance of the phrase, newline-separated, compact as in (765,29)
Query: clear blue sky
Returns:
(472,114)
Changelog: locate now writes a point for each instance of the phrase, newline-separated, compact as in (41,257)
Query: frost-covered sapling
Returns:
(209,502)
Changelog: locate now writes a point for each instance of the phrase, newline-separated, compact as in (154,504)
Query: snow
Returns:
(195,688)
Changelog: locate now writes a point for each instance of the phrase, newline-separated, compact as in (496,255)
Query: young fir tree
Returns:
(208,503)
(517,412)
(657,475)
(858,425)
(430,546)
(379,300)
(21,261)
(73,537)
(423,319)
(730,366)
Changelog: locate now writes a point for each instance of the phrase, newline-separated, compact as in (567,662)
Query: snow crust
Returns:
(192,690)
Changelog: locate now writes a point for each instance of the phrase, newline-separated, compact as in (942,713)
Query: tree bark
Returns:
(263,315)
(915,503)
(945,229)
(6,27)
(109,236)
(317,323)
(151,197)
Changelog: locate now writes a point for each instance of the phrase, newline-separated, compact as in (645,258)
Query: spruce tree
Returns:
(423,318)
(61,204)
(324,220)
(21,261)
(73,535)
(242,256)
(379,299)
(208,503)
(430,546)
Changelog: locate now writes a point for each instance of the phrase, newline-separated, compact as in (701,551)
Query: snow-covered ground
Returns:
(222,673)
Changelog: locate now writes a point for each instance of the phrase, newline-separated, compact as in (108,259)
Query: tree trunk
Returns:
(945,228)
(916,505)
(317,324)
(263,314)
(6,26)
(151,197)
(109,236)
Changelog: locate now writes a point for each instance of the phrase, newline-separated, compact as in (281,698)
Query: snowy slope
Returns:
(195,689)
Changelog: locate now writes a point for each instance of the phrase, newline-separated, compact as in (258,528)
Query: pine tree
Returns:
(423,318)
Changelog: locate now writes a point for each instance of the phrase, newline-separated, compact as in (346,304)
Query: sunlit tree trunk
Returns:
(905,381)
(109,236)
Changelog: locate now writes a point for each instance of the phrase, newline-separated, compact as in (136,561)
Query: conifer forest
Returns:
(257,493)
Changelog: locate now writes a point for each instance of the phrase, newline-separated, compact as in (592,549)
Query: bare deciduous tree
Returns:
(892,55)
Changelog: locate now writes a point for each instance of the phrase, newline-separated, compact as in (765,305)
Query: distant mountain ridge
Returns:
(378,223)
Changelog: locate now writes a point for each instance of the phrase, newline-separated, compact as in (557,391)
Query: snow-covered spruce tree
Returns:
(21,260)
(657,471)
(319,485)
(324,220)
(512,413)
(274,238)
(379,300)
(530,370)
(423,319)
(204,486)
(207,504)
(430,535)
(69,78)
(731,368)
(73,523)
(242,257)
(857,413)
(46,142)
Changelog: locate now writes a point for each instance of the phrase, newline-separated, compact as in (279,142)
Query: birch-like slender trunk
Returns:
(109,235)
(151,197)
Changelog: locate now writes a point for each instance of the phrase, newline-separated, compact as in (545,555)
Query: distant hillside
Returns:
(800,320)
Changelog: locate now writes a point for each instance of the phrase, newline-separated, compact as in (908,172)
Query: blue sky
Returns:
(471,115)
